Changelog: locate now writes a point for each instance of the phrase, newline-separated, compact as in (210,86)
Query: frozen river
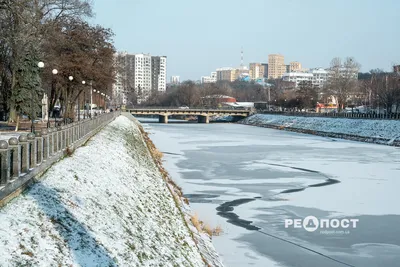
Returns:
(251,181)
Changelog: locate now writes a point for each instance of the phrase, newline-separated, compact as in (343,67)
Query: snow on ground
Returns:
(386,129)
(106,205)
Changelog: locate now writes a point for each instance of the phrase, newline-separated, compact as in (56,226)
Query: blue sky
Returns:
(199,36)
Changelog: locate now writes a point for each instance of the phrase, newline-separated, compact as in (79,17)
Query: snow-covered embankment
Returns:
(106,205)
(374,131)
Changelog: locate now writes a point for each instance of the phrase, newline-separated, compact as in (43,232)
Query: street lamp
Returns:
(84,101)
(70,78)
(54,71)
(40,66)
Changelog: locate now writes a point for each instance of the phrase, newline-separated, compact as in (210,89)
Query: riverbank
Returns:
(385,132)
(105,205)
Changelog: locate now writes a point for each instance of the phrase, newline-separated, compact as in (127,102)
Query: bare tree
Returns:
(342,81)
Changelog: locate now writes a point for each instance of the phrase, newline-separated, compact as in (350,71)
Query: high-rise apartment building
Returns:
(276,66)
(295,66)
(175,80)
(257,71)
(226,74)
(209,79)
(158,73)
(140,74)
(265,65)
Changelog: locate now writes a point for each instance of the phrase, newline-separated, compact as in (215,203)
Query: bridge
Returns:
(202,114)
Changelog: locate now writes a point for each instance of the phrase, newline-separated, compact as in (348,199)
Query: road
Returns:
(249,180)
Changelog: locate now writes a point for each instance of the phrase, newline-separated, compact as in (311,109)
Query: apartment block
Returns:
(209,79)
(257,71)
(276,66)
(265,65)
(175,80)
(295,66)
(226,74)
(297,77)
(140,74)
(158,73)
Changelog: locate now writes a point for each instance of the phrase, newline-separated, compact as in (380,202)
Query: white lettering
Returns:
(288,222)
(335,223)
(354,221)
(297,223)
(324,223)
(345,223)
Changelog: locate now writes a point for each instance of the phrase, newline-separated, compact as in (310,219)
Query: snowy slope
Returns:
(382,129)
(107,205)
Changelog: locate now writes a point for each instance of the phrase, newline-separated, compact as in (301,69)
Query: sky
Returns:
(200,36)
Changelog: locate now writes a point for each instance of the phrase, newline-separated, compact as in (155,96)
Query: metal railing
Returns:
(391,116)
(19,157)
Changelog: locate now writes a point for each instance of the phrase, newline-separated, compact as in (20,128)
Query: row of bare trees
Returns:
(54,32)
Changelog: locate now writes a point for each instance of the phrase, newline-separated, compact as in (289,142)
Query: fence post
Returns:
(32,150)
(51,142)
(70,134)
(45,144)
(4,164)
(63,137)
(14,158)
(39,142)
(23,141)
(73,133)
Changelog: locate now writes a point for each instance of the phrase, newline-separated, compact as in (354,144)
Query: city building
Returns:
(209,79)
(276,66)
(158,73)
(257,71)
(175,79)
(265,65)
(297,77)
(295,66)
(226,74)
(320,76)
(287,68)
(142,76)
(139,74)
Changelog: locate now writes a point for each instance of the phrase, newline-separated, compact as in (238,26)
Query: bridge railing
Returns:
(24,157)
(391,116)
(190,108)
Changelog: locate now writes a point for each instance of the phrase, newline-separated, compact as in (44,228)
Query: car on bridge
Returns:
(184,107)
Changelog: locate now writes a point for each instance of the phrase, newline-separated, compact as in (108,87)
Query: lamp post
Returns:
(54,71)
(94,90)
(40,66)
(84,101)
(70,78)
(91,98)
(98,100)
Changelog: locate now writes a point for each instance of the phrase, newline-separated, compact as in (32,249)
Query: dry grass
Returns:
(207,229)
(195,221)
(217,231)
(157,156)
